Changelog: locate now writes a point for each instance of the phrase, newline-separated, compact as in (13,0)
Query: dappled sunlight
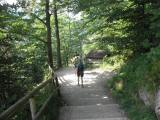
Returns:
(94,96)
(94,83)
(70,79)
(105,97)
(8,1)
(89,82)
(99,104)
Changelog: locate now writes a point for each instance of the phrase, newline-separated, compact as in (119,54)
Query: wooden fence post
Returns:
(32,107)
(57,86)
(13,109)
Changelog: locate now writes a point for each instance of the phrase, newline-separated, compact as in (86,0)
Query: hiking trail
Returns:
(93,102)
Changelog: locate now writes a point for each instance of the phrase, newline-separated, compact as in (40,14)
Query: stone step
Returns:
(93,102)
(86,86)
(119,118)
(79,88)
(88,101)
(86,95)
(83,91)
(90,111)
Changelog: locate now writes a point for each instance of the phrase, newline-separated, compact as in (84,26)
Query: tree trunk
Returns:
(49,43)
(59,61)
(70,36)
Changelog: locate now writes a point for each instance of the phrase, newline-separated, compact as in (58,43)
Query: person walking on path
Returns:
(80,72)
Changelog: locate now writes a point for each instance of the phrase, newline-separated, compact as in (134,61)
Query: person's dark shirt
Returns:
(80,67)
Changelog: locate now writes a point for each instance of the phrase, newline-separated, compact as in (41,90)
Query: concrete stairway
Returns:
(93,102)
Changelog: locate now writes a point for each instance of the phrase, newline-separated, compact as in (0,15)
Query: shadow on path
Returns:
(91,102)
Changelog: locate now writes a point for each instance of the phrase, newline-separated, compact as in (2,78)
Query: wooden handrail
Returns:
(39,113)
(43,107)
(20,103)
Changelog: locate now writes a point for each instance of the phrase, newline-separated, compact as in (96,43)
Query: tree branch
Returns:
(39,18)
(42,40)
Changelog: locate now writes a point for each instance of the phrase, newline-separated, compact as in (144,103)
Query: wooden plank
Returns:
(57,86)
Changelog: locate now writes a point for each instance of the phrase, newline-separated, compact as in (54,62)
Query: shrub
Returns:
(140,72)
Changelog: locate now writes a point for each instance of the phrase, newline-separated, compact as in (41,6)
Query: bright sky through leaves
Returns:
(7,1)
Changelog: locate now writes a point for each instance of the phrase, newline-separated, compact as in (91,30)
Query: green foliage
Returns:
(129,31)
(124,29)
(140,72)
(23,58)
(128,24)
(113,62)
(23,52)
(135,109)
(52,110)
(70,38)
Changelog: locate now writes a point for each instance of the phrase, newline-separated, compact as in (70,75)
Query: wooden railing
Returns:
(20,104)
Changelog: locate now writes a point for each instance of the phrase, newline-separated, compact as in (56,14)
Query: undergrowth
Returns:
(113,62)
(142,71)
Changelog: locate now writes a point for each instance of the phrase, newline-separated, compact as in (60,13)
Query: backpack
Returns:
(80,67)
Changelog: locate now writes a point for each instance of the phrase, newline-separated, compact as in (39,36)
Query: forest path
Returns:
(93,102)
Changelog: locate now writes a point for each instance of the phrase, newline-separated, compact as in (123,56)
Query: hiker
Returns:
(80,72)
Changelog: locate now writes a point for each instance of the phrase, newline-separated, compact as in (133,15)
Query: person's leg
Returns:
(82,81)
(78,80)
(78,75)
(82,78)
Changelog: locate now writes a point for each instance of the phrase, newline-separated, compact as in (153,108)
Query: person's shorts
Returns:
(80,73)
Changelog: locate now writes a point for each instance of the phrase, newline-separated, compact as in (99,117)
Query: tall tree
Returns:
(59,60)
(49,42)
